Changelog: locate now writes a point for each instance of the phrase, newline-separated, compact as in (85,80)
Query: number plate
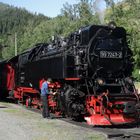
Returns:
(109,54)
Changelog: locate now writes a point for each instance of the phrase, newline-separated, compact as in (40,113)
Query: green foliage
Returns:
(126,14)
(17,20)
(136,74)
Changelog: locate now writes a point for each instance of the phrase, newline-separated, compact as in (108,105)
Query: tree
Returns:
(126,14)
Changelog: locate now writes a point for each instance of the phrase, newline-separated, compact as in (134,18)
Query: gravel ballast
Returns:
(17,123)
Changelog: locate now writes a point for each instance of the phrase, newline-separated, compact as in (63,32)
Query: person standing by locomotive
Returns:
(44,98)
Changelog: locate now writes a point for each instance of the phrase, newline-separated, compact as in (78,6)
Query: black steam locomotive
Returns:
(93,67)
(92,52)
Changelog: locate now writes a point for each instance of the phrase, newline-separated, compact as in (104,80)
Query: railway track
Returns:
(116,133)
(124,132)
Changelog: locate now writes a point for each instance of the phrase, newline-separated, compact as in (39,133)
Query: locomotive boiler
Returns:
(91,73)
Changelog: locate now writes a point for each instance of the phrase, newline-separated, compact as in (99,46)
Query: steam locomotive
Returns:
(90,71)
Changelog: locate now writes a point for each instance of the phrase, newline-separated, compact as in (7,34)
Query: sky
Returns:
(49,8)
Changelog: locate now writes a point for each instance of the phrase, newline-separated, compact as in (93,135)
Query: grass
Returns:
(19,112)
(5,104)
(12,111)
(95,137)
(62,132)
(50,129)
(41,125)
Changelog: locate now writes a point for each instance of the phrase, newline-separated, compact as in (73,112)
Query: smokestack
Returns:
(99,6)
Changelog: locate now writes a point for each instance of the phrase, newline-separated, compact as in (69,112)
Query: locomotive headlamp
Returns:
(112,25)
(100,81)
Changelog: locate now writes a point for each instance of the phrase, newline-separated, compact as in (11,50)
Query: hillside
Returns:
(13,19)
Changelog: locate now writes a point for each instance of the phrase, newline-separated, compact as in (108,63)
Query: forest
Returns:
(32,28)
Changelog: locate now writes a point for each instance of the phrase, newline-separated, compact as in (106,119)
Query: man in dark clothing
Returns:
(44,97)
